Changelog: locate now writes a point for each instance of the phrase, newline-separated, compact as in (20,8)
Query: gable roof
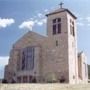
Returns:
(30,35)
(60,10)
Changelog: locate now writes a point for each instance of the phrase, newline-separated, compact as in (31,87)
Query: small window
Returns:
(56,43)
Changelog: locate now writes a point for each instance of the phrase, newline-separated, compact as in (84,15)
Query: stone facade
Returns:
(82,70)
(51,58)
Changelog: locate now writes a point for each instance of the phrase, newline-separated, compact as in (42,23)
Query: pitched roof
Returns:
(61,10)
(29,35)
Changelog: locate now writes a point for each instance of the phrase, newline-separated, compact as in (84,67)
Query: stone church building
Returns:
(36,58)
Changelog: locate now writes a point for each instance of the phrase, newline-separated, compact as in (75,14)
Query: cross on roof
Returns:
(61,4)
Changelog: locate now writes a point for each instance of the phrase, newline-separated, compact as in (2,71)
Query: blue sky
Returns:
(19,16)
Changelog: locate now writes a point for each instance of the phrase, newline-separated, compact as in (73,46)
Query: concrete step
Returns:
(44,87)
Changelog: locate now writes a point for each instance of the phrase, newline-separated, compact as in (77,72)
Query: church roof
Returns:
(29,35)
(61,10)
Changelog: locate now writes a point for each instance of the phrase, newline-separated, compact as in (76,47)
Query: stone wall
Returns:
(44,87)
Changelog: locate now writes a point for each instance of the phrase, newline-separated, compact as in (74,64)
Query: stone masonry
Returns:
(50,58)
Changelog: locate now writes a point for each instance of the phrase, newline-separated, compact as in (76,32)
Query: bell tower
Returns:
(61,28)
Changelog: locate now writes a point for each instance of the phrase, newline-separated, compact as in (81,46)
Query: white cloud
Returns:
(40,15)
(81,18)
(6,22)
(40,22)
(88,19)
(27,25)
(31,23)
(44,20)
(46,10)
(3,60)
(80,24)
(88,24)
(84,21)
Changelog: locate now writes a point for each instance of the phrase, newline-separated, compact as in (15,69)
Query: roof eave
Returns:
(62,11)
